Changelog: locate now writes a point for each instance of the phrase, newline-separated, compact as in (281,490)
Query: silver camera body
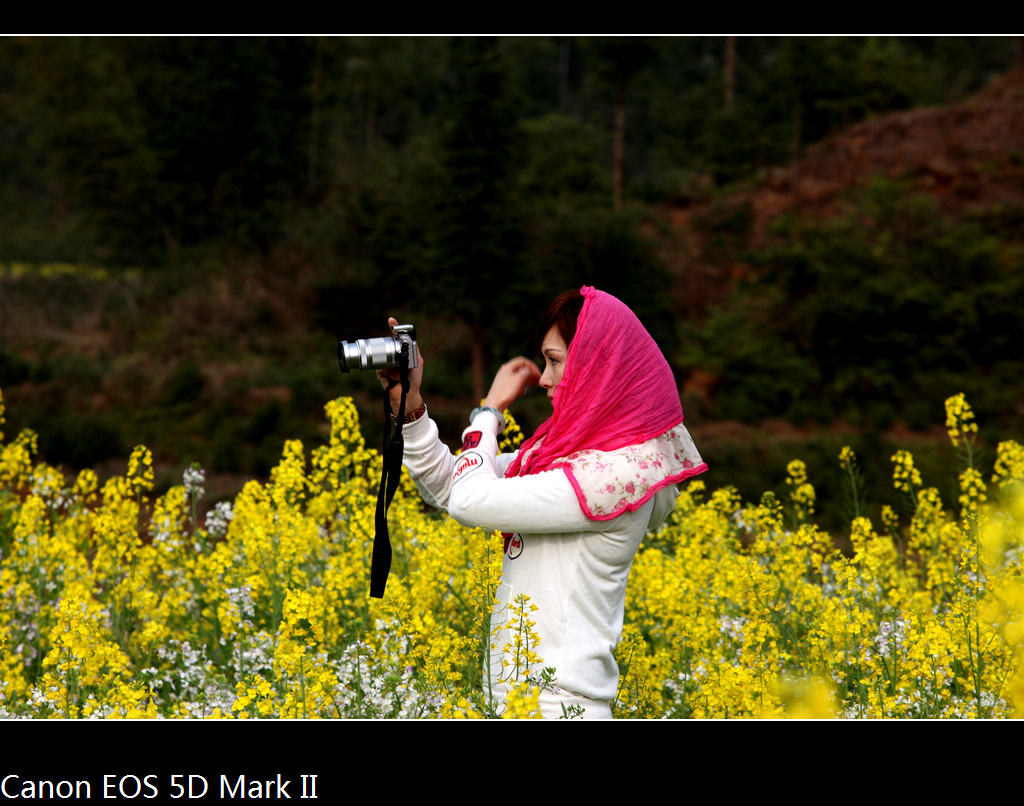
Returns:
(382,353)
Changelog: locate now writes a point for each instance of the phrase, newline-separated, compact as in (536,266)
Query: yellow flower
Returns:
(797,471)
(890,519)
(1009,466)
(140,470)
(808,698)
(905,476)
(523,702)
(972,490)
(959,419)
(802,492)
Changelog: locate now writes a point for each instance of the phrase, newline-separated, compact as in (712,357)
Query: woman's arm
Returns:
(428,461)
(510,382)
(543,502)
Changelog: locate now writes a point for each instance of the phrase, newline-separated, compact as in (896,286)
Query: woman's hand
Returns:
(413,400)
(511,381)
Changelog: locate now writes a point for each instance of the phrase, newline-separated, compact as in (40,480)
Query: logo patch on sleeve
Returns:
(513,544)
(471,440)
(467,463)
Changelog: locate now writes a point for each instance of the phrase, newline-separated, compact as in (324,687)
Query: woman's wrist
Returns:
(412,414)
(497,414)
(491,402)
(413,402)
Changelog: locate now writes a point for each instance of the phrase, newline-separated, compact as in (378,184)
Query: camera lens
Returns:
(367,354)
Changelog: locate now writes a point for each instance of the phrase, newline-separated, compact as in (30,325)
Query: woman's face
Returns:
(554,351)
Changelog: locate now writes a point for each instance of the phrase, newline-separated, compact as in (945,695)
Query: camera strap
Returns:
(391,471)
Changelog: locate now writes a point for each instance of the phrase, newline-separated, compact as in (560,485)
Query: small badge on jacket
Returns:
(513,544)
(467,463)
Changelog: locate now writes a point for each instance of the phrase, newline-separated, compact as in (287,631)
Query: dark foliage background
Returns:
(187,225)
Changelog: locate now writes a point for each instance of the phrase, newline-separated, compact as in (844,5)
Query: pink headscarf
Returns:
(616,429)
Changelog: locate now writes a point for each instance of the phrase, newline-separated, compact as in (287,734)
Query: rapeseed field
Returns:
(117,602)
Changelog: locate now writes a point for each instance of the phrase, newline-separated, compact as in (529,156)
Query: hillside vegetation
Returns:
(818,267)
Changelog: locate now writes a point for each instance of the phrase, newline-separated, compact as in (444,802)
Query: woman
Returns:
(576,500)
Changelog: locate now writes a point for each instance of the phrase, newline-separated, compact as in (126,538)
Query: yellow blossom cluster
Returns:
(122,603)
(140,470)
(511,437)
(960,422)
(523,702)
(801,491)
(905,477)
(847,458)
(1009,466)
(972,490)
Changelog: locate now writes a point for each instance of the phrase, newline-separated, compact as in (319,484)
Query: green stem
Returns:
(856,495)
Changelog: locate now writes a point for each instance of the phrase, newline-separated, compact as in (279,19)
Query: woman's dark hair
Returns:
(562,313)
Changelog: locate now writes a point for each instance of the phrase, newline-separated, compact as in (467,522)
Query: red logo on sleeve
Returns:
(513,544)
(467,463)
(471,440)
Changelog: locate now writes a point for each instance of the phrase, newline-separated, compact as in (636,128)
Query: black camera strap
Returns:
(391,472)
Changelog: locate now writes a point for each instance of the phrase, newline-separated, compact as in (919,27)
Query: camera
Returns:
(382,353)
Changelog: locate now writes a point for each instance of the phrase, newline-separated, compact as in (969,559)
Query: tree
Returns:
(478,233)
(616,61)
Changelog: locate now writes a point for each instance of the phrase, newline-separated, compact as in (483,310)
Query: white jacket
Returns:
(572,568)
